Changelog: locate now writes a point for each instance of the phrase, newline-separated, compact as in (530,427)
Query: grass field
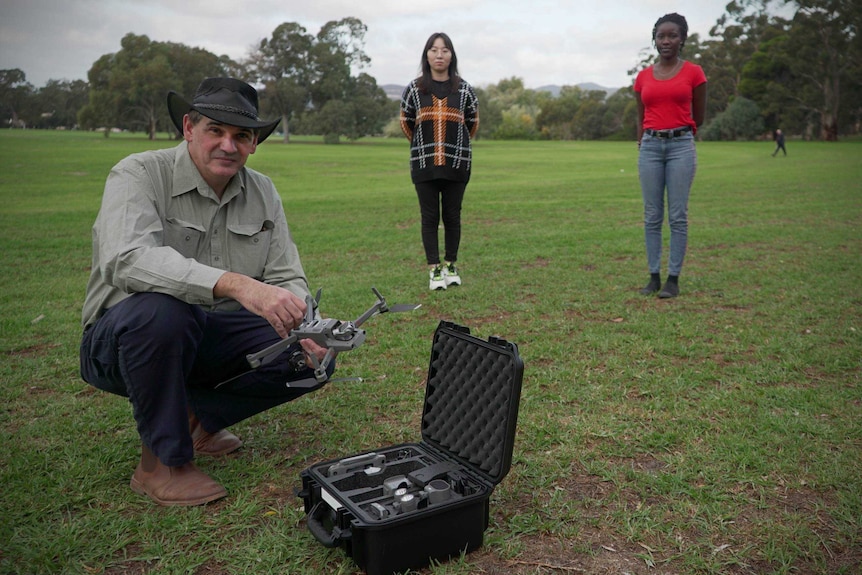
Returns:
(716,433)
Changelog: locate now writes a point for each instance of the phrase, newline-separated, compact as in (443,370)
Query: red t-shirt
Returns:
(667,103)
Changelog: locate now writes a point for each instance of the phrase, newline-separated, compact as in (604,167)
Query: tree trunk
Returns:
(284,126)
(831,101)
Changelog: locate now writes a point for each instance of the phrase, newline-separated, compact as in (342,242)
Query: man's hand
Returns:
(280,307)
(312,348)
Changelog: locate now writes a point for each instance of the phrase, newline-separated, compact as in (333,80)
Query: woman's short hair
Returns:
(673,18)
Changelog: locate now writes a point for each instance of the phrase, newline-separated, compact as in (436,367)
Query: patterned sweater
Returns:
(439,125)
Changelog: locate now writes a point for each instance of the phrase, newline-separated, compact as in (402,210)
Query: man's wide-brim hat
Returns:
(226,100)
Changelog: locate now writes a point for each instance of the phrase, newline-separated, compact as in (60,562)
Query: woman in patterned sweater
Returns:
(440,115)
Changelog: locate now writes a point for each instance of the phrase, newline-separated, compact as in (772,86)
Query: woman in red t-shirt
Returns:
(671,97)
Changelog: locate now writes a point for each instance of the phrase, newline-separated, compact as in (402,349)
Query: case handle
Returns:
(315,525)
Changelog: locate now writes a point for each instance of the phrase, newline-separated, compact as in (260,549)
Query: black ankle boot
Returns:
(653,285)
(671,288)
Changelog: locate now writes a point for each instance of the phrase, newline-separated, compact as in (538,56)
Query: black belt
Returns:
(668,133)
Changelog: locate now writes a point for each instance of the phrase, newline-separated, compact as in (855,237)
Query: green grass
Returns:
(720,432)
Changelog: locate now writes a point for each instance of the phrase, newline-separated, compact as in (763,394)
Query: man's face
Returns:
(218,150)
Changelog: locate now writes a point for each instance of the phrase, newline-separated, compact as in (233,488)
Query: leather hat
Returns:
(226,100)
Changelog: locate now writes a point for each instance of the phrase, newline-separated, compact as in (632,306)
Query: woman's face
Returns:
(668,39)
(439,57)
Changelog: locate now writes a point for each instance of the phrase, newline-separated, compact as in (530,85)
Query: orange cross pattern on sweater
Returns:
(439,113)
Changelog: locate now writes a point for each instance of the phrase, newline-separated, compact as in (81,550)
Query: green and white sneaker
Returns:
(437,280)
(450,275)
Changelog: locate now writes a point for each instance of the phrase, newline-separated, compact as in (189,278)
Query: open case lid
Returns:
(472,396)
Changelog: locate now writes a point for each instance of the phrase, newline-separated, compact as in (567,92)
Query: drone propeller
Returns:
(332,334)
(399,307)
(380,306)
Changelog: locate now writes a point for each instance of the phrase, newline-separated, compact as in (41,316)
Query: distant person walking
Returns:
(440,115)
(779,142)
(671,99)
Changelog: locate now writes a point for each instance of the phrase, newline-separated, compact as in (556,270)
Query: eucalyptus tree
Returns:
(284,64)
(128,88)
(346,101)
(57,103)
(15,94)
(826,60)
(736,36)
(311,78)
(804,66)
(556,119)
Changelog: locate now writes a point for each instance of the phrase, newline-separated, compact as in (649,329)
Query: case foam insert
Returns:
(468,404)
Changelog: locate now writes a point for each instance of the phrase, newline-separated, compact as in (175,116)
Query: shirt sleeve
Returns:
(471,113)
(408,111)
(699,76)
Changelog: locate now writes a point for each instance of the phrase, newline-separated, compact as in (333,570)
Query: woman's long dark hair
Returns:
(454,78)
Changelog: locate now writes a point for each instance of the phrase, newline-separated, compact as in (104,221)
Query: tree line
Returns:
(801,73)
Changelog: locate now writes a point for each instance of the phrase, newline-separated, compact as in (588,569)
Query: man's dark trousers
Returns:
(168,356)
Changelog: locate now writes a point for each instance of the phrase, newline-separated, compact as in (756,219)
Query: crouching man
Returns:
(193,268)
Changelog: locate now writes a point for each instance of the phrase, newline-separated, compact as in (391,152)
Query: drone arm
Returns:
(373,310)
(378,307)
(320,367)
(268,354)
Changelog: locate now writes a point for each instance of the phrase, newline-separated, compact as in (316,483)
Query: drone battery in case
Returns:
(400,507)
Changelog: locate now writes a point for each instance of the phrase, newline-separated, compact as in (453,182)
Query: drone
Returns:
(333,334)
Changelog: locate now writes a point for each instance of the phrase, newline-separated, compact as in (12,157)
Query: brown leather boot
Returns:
(215,444)
(184,485)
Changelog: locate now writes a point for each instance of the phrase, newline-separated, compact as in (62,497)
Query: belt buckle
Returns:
(669,134)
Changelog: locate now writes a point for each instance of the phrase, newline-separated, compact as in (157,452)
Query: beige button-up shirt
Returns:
(162,229)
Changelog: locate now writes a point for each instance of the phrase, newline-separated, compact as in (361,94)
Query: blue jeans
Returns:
(666,163)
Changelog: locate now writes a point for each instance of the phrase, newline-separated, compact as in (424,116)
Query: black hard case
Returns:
(469,416)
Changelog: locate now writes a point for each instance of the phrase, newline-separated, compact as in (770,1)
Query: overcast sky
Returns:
(540,41)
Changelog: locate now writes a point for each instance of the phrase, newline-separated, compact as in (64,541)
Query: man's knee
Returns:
(141,325)
(156,317)
(155,322)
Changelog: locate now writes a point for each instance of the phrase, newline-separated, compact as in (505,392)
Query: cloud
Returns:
(541,41)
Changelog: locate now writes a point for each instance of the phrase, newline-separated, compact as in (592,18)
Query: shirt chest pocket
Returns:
(184,237)
(249,247)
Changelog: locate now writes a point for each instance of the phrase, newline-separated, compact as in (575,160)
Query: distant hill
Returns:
(586,86)
(393,91)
